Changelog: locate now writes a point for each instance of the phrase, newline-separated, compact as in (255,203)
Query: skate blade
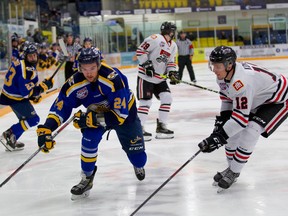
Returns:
(16,149)
(215,183)
(7,148)
(78,197)
(220,190)
(223,189)
(164,136)
(147,138)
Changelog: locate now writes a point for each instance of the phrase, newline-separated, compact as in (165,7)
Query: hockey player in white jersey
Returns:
(156,55)
(254,103)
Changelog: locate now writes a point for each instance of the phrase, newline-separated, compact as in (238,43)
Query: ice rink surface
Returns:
(43,186)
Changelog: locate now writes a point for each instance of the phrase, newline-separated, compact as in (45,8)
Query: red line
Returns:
(277,118)
(281,91)
(240,117)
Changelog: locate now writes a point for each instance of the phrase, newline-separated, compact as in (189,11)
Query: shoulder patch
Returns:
(71,81)
(238,85)
(112,75)
(154,36)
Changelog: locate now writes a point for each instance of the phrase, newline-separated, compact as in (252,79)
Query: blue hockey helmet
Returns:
(89,55)
(29,48)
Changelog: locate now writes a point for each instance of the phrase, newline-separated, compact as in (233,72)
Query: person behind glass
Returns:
(185,55)
(87,43)
(21,86)
(254,104)
(156,55)
(72,49)
(15,47)
(110,104)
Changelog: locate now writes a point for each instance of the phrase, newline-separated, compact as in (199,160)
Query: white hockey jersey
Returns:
(250,87)
(162,54)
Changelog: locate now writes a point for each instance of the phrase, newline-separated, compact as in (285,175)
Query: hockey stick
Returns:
(36,152)
(192,84)
(64,50)
(161,186)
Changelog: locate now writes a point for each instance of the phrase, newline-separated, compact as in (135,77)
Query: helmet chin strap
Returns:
(228,71)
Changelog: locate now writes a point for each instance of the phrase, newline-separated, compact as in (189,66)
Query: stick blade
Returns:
(63,47)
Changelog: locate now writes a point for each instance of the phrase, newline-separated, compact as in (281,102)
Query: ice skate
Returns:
(219,176)
(82,189)
(162,132)
(140,173)
(9,141)
(146,135)
(228,179)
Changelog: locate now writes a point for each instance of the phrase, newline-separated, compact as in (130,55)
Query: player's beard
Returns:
(32,63)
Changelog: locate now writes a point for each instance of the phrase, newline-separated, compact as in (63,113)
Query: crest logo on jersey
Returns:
(238,85)
(112,75)
(162,44)
(223,86)
(82,93)
(164,55)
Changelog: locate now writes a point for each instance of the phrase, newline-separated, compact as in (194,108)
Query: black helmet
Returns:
(89,55)
(24,46)
(29,48)
(223,54)
(43,45)
(87,39)
(168,27)
(15,37)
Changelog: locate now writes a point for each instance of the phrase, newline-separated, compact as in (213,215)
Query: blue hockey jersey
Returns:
(110,92)
(19,84)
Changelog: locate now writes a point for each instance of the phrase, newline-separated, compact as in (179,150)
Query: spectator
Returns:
(38,38)
(29,36)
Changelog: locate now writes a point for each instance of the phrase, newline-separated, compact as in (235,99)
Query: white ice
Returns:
(43,186)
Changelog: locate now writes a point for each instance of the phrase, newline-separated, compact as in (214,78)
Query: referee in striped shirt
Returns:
(185,55)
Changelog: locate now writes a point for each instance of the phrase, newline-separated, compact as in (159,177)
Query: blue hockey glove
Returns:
(85,120)
(45,138)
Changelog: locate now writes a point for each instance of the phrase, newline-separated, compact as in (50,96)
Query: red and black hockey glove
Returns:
(174,77)
(213,142)
(149,69)
(221,120)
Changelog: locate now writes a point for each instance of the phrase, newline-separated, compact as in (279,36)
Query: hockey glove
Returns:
(221,120)
(173,76)
(45,141)
(149,69)
(213,142)
(85,120)
(46,84)
(36,99)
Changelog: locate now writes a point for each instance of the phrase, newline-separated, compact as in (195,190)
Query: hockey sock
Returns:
(138,159)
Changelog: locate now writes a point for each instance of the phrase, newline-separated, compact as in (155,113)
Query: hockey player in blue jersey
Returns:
(110,104)
(21,86)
